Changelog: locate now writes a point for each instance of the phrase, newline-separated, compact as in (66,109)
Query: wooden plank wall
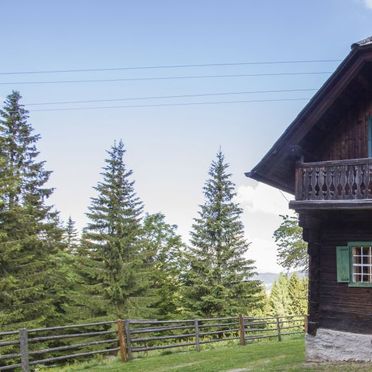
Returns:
(348,138)
(342,307)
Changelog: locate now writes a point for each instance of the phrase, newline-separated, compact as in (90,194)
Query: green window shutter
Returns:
(343,264)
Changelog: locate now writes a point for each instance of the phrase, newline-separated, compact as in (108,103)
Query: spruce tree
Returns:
(112,237)
(88,299)
(30,236)
(297,289)
(280,301)
(219,279)
(71,236)
(162,248)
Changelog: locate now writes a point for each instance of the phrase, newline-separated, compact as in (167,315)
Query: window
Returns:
(362,264)
(354,264)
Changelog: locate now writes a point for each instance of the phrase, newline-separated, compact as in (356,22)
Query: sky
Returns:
(170,147)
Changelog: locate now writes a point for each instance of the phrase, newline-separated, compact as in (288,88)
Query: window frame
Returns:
(352,245)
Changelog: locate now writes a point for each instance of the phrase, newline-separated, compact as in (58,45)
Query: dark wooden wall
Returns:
(347,138)
(335,305)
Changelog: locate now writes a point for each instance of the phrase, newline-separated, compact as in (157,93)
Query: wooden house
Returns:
(324,158)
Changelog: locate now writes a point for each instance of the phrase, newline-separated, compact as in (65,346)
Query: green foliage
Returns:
(288,296)
(30,235)
(218,278)
(71,236)
(280,302)
(297,288)
(292,250)
(162,249)
(88,300)
(111,239)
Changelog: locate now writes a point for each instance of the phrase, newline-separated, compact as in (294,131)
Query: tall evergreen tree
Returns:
(162,248)
(112,237)
(30,237)
(219,280)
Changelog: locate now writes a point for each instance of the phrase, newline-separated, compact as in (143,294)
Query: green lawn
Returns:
(287,355)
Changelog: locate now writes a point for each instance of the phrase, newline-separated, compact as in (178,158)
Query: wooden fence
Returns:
(26,348)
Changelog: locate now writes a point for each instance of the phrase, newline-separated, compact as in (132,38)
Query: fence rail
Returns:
(25,348)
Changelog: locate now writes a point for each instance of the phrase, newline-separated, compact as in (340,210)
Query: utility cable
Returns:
(171,96)
(170,104)
(169,66)
(165,78)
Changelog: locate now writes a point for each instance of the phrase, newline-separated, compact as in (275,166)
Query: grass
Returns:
(287,355)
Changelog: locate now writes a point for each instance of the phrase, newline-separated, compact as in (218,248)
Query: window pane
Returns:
(356,251)
(362,264)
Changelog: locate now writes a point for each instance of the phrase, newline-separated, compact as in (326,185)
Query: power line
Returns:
(170,66)
(171,96)
(281,192)
(170,104)
(166,78)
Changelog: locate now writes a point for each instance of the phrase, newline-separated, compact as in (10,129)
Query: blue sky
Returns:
(170,148)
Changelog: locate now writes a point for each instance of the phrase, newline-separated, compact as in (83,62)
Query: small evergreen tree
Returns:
(297,289)
(30,235)
(112,237)
(71,236)
(219,280)
(162,248)
(280,301)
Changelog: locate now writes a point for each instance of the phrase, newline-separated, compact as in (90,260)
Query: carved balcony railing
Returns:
(334,180)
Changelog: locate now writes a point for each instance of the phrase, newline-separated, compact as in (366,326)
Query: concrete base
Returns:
(329,345)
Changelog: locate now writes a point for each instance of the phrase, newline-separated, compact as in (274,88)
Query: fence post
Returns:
(197,335)
(23,347)
(241,329)
(278,328)
(122,343)
(306,319)
(127,339)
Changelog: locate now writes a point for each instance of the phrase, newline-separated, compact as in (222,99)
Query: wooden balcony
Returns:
(334,184)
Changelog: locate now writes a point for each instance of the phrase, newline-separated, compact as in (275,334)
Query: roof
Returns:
(277,167)
(363,42)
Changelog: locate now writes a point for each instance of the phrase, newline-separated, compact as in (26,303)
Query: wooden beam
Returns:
(359,204)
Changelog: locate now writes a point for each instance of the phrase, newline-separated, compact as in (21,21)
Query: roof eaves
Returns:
(278,145)
(268,181)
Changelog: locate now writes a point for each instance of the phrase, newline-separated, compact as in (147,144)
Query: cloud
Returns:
(262,198)
(262,206)
(264,252)
(368,3)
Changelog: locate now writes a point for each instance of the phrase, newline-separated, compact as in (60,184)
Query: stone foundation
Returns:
(329,345)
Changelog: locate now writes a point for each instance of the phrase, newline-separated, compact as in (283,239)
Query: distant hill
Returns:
(269,278)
